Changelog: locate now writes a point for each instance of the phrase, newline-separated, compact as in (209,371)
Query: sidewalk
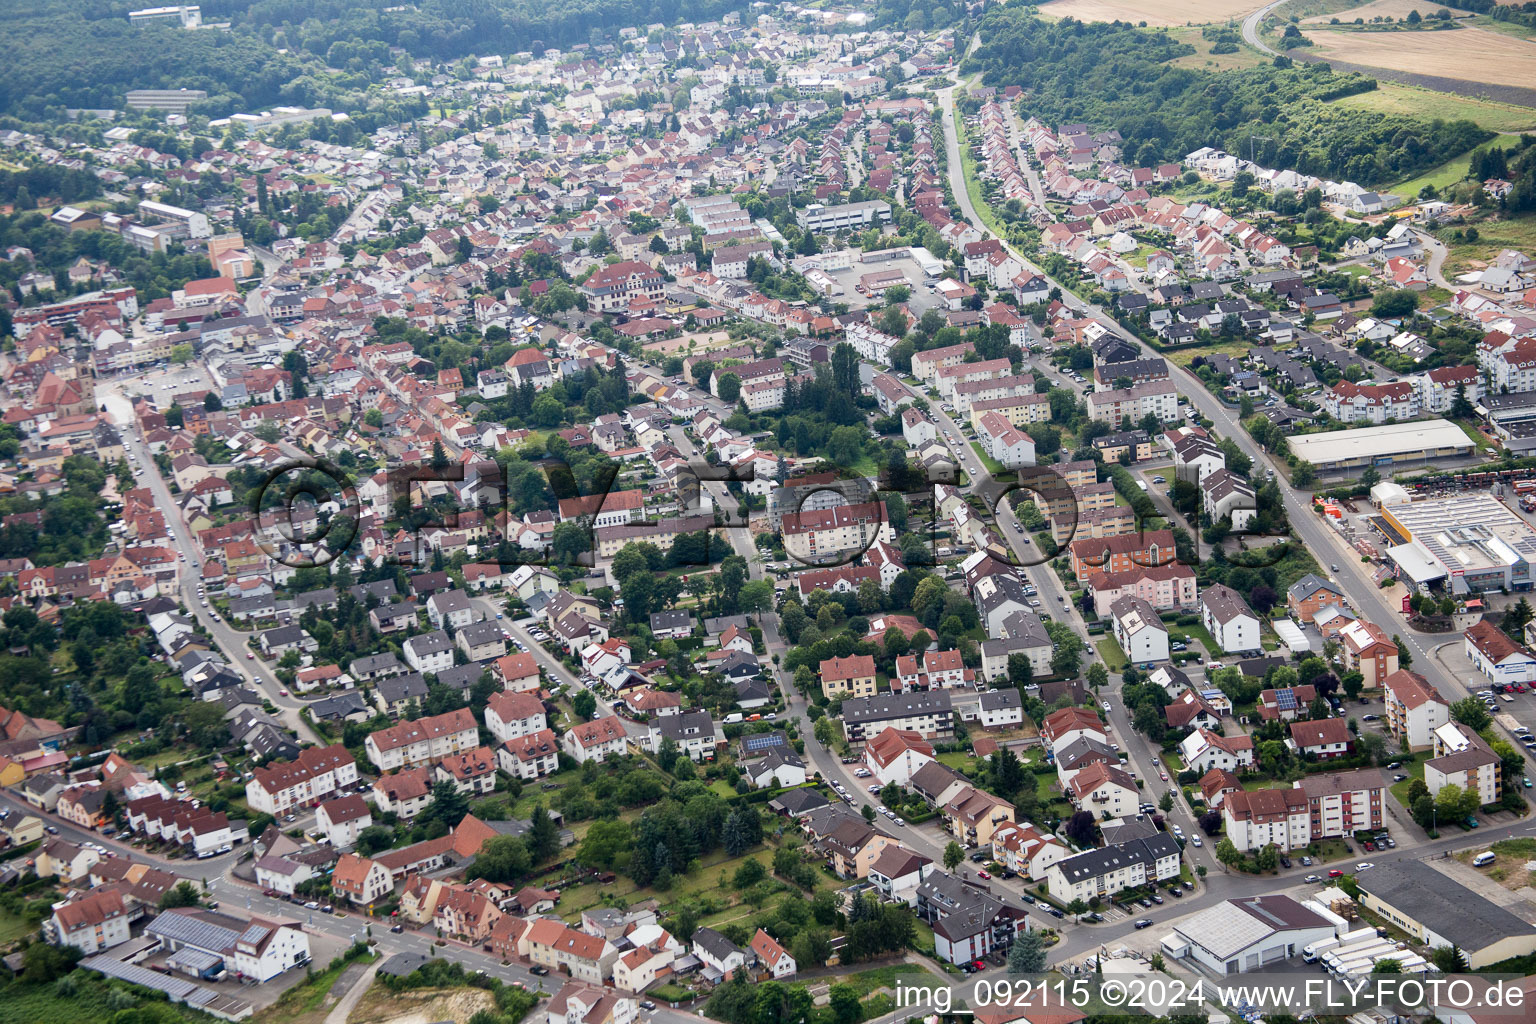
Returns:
(343,1009)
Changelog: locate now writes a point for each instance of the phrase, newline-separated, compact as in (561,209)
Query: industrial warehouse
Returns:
(1466,542)
(1392,443)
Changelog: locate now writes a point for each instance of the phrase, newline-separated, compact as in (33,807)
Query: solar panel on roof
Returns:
(762,741)
(1285,700)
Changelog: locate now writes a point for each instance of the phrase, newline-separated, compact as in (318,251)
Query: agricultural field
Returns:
(1394,9)
(1468,54)
(1168,12)
(1394,98)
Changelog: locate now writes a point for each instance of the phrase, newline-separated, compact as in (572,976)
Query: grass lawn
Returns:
(1448,173)
(1396,98)
(972,183)
(1204,60)
(907,975)
(1414,769)
(959,760)
(993,466)
(1200,633)
(1114,658)
(1330,850)
(13,927)
(1185,356)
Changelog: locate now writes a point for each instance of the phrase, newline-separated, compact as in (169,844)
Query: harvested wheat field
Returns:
(1163,12)
(1468,54)
(420,1006)
(1395,9)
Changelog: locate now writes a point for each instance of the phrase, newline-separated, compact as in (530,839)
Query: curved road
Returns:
(1251,27)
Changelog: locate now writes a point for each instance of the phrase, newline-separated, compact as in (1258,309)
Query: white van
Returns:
(1483,859)
(732,719)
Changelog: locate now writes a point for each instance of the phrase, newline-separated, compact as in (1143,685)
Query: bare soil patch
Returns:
(420,1006)
(1467,54)
(1164,12)
(1394,9)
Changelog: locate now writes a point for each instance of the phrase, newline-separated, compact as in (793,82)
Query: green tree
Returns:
(843,1000)
(1470,712)
(1028,953)
(729,387)
(953,855)
(182,894)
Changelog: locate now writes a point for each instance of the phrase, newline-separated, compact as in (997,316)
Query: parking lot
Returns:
(922,298)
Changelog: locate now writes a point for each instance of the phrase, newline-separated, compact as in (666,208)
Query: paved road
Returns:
(231,642)
(1436,253)
(1251,27)
(1342,563)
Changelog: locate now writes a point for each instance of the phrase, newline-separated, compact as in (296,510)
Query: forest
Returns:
(67,55)
(1117,76)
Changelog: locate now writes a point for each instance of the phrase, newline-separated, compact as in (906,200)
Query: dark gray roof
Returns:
(382,589)
(672,619)
(1441,904)
(997,700)
(896,705)
(323,598)
(798,801)
(349,702)
(395,688)
(1094,863)
(462,677)
(715,944)
(690,725)
(1310,584)
(482,632)
(429,643)
(375,663)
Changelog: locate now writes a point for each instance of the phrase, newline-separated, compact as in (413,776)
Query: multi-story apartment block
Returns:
(509,714)
(1462,758)
(1127,406)
(1260,817)
(1164,587)
(1414,709)
(314,775)
(1121,554)
(1372,403)
(1341,803)
(1106,871)
(930,715)
(1368,648)
(529,756)
(614,287)
(836,532)
(423,741)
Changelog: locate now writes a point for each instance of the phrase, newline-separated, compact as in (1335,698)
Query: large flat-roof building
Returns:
(176,101)
(1467,542)
(1439,911)
(1247,934)
(1389,444)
